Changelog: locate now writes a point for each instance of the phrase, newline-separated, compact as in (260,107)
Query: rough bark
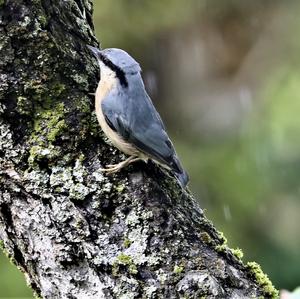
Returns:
(74,232)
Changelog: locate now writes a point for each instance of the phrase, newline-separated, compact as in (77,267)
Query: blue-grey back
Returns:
(134,117)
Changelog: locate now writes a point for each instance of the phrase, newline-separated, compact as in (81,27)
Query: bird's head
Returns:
(117,62)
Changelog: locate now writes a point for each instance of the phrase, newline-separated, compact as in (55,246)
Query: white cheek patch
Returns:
(106,72)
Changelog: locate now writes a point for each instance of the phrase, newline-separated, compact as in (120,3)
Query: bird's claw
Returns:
(109,170)
(112,165)
(113,168)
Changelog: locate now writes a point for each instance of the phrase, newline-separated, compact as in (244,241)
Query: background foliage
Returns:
(225,77)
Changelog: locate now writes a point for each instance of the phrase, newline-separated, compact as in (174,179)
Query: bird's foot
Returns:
(113,168)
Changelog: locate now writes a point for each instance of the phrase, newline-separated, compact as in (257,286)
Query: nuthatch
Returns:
(127,116)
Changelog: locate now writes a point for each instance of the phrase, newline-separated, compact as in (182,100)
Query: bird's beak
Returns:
(95,51)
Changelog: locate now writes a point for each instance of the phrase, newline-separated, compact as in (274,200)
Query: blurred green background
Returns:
(225,77)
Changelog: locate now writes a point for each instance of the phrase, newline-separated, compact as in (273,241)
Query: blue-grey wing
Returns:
(134,117)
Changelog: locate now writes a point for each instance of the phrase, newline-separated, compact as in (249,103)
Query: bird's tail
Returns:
(183,178)
(180,173)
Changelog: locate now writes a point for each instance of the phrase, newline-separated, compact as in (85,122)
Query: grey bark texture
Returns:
(74,232)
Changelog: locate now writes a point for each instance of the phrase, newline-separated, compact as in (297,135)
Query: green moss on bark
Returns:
(178,269)
(262,279)
(49,123)
(124,260)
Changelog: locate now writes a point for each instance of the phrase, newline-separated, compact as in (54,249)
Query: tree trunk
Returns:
(73,231)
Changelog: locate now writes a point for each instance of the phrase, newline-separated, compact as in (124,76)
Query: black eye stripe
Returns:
(119,73)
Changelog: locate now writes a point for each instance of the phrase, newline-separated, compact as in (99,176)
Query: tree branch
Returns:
(74,232)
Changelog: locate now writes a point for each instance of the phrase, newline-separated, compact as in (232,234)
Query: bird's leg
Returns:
(112,168)
(120,165)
